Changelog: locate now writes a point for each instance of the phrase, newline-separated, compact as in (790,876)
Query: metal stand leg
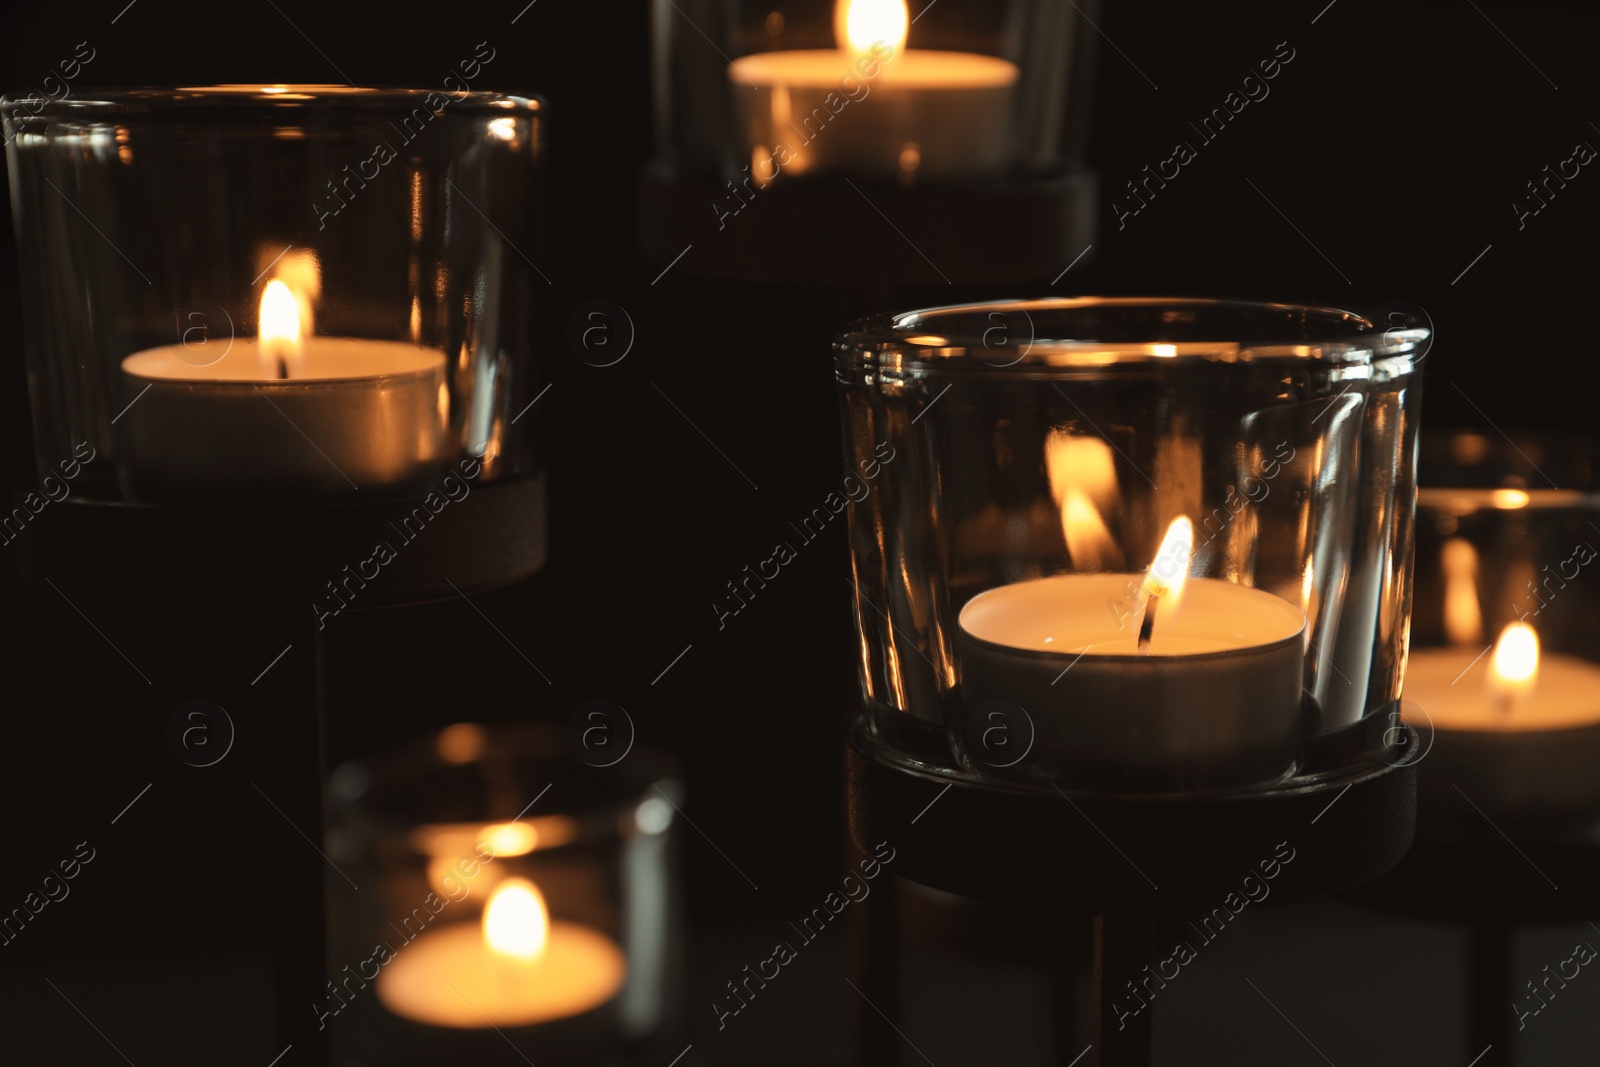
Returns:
(1071,1037)
(1121,1018)
(876,965)
(1492,995)
(289,715)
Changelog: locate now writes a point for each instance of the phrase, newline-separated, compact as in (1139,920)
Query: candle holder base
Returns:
(281,569)
(492,537)
(969,229)
(1106,857)
(1345,826)
(1492,889)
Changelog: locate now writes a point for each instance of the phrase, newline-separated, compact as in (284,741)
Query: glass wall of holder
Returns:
(965,89)
(1504,675)
(507,892)
(1136,545)
(277,293)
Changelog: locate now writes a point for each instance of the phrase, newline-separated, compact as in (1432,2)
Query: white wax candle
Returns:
(579,970)
(1215,701)
(517,969)
(356,414)
(1451,686)
(1528,757)
(873,106)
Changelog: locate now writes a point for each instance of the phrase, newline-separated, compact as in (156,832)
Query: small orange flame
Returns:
(1514,667)
(1170,569)
(282,351)
(516,922)
(860,24)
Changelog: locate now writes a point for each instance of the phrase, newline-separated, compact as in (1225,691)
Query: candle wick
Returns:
(283,368)
(1148,625)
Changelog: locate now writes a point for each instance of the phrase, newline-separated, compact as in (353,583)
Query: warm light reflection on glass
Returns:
(1088,539)
(1083,481)
(452,841)
(510,839)
(762,166)
(460,743)
(280,91)
(1463,617)
(1510,499)
(910,158)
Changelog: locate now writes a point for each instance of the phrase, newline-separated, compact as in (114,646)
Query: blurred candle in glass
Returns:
(873,106)
(515,968)
(1516,731)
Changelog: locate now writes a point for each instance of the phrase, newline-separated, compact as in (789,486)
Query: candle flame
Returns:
(1463,618)
(1170,569)
(282,351)
(516,922)
(860,24)
(1514,667)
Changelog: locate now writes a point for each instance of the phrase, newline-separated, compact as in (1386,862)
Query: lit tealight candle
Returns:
(283,413)
(872,105)
(1157,681)
(1514,729)
(516,968)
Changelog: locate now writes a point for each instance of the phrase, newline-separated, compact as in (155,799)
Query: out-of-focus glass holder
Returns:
(1507,532)
(1000,443)
(154,221)
(955,120)
(434,832)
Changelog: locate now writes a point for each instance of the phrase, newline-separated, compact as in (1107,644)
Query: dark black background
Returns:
(1396,141)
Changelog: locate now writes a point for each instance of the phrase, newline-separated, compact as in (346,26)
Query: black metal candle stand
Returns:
(1130,864)
(831,230)
(1493,887)
(235,586)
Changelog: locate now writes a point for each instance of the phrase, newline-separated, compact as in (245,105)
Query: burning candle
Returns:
(873,106)
(284,413)
(515,968)
(1516,730)
(1156,681)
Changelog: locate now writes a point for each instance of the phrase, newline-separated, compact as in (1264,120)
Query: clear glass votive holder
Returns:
(872,89)
(507,893)
(1503,678)
(277,293)
(1149,546)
